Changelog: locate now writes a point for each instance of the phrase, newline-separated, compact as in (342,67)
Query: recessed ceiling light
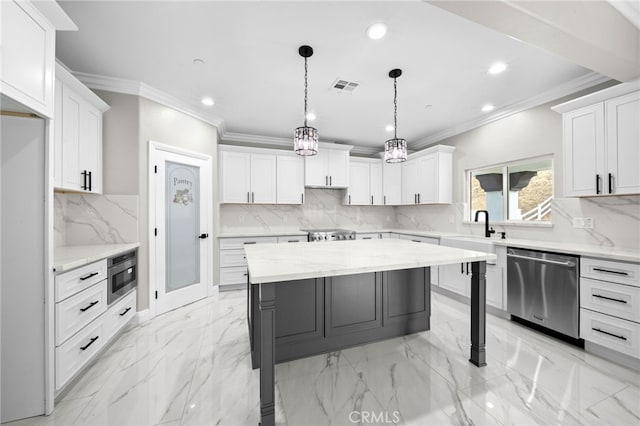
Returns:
(207,101)
(376,31)
(198,61)
(389,127)
(311,116)
(497,68)
(487,107)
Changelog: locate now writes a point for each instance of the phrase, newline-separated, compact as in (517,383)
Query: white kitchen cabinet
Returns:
(329,168)
(77,135)
(600,142)
(247,177)
(455,278)
(233,263)
(427,176)
(365,182)
(391,184)
(27,56)
(289,179)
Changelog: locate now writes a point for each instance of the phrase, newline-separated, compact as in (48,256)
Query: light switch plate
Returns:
(583,222)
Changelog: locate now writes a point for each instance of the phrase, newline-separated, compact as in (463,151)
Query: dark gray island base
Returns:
(294,319)
(319,315)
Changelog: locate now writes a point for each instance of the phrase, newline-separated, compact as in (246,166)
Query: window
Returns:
(518,192)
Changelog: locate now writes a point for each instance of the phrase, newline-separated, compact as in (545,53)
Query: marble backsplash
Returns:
(616,221)
(81,219)
(323,208)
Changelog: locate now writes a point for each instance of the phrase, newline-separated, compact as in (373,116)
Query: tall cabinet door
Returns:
(358,192)
(623,145)
(428,179)
(392,184)
(91,146)
(315,170)
(375,183)
(584,151)
(338,168)
(71,133)
(290,179)
(263,178)
(235,181)
(409,181)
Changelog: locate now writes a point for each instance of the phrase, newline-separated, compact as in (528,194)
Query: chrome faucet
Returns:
(487,231)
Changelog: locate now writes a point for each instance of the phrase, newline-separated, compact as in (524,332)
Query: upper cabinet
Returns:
(391,183)
(601,142)
(260,176)
(365,182)
(27,56)
(329,168)
(77,135)
(427,176)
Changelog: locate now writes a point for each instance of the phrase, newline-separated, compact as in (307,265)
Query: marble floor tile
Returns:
(192,366)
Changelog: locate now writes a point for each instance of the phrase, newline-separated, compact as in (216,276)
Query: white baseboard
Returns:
(142,317)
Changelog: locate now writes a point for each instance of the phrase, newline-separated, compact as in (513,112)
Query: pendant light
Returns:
(395,150)
(305,139)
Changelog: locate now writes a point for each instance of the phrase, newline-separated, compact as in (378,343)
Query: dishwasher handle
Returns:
(568,264)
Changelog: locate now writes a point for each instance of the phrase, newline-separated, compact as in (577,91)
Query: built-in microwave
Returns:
(123,275)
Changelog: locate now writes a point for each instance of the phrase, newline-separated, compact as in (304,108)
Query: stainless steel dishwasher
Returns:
(542,288)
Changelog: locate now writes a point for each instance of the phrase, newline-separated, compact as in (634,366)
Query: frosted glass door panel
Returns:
(183,226)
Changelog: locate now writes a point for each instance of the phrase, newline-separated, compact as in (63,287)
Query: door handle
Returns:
(349,198)
(609,298)
(372,200)
(90,179)
(302,198)
(609,334)
(384,200)
(203,236)
(418,198)
(326,180)
(82,348)
(248,197)
(125,311)
(535,259)
(91,305)
(330,180)
(84,180)
(253,197)
(86,277)
(610,183)
(597,184)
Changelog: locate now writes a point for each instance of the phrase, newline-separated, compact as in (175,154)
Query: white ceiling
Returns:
(254,73)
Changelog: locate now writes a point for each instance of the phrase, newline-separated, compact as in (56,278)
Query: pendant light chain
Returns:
(395,108)
(305,92)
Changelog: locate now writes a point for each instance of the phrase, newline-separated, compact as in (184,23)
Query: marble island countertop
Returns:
(284,262)
(70,257)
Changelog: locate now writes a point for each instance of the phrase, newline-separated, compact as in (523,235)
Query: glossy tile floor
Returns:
(192,367)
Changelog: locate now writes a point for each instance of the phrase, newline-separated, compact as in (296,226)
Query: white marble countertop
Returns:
(284,262)
(70,257)
(260,234)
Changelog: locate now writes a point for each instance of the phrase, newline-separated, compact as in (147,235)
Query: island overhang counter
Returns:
(336,276)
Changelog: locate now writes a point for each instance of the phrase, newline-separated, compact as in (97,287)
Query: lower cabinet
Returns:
(322,314)
(233,263)
(457,279)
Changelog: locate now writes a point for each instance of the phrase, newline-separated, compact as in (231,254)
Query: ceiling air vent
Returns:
(344,86)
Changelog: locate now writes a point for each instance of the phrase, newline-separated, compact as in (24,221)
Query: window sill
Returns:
(512,223)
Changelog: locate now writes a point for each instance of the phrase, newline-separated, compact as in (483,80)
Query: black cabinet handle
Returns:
(384,200)
(467,267)
(415,198)
(609,271)
(125,311)
(416,241)
(92,304)
(609,298)
(326,180)
(330,180)
(610,183)
(367,238)
(597,184)
(418,198)
(246,275)
(349,198)
(302,198)
(82,348)
(249,242)
(462,268)
(203,236)
(90,180)
(253,197)
(248,197)
(86,277)
(292,241)
(609,334)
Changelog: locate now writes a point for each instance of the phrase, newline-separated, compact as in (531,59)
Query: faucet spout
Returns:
(487,231)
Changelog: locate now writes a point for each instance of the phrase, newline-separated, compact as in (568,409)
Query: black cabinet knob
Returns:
(203,236)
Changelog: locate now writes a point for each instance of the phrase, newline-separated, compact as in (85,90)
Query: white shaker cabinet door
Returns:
(392,184)
(290,179)
(315,170)
(72,105)
(375,183)
(410,182)
(623,145)
(428,179)
(90,151)
(358,192)
(338,168)
(263,178)
(235,181)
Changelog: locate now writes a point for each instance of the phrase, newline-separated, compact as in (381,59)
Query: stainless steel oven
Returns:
(122,276)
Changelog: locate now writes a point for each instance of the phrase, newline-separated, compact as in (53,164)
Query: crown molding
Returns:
(137,88)
(573,86)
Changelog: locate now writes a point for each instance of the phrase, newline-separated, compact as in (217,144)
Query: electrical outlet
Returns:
(583,222)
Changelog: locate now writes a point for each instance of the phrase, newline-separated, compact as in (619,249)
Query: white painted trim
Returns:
(49,290)
(141,317)
(153,149)
(630,9)
(566,89)
(599,96)
(52,11)
(131,87)
(64,75)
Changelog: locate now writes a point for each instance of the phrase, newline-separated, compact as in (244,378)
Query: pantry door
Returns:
(182,230)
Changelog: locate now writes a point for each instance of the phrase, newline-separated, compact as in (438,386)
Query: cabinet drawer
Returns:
(119,315)
(418,239)
(368,236)
(621,301)
(293,239)
(234,257)
(614,333)
(238,243)
(74,313)
(607,270)
(76,280)
(77,351)
(234,275)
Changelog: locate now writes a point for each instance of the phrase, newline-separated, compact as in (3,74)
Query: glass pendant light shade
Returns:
(395,150)
(305,138)
(305,141)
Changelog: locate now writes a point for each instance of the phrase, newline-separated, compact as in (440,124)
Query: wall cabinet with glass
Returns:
(427,176)
(77,135)
(365,182)
(329,168)
(600,142)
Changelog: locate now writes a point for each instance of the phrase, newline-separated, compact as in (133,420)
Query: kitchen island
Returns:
(368,289)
